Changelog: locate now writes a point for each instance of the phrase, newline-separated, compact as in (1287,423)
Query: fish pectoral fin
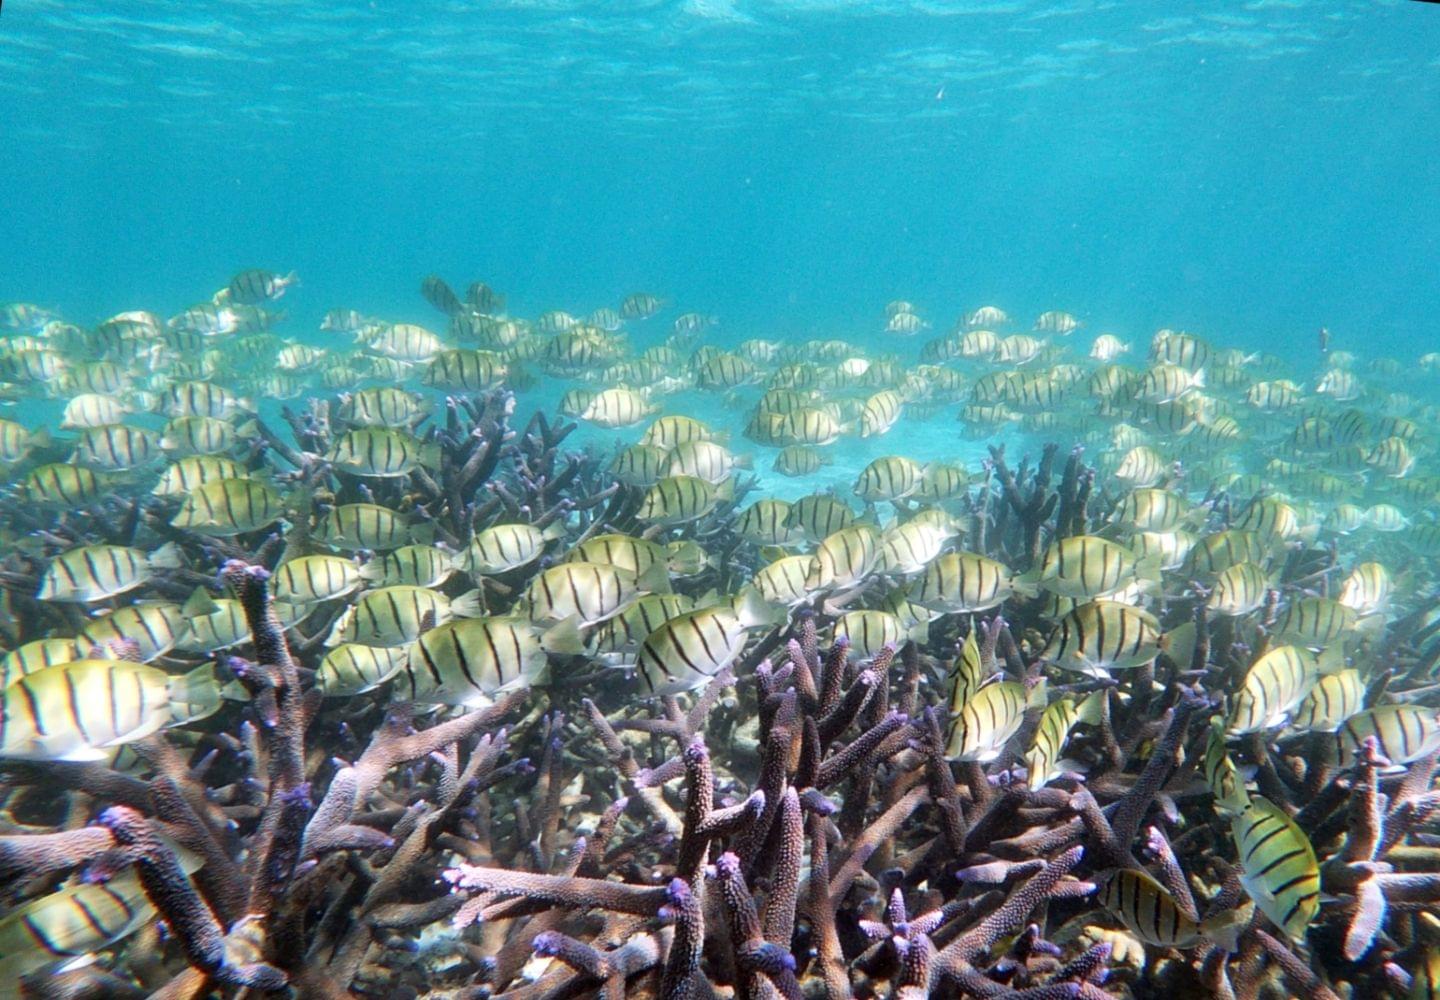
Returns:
(81,755)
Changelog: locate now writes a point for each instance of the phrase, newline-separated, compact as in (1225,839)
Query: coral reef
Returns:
(793,829)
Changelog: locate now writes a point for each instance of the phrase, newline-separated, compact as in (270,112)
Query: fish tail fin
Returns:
(1224,929)
(373,571)
(1147,570)
(564,639)
(467,605)
(1092,708)
(166,556)
(199,604)
(1179,643)
(753,610)
(1331,659)
(655,579)
(194,695)
(1027,584)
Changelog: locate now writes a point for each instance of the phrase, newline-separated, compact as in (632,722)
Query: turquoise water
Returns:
(1249,170)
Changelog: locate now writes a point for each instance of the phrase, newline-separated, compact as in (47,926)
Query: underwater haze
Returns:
(719,500)
(1260,168)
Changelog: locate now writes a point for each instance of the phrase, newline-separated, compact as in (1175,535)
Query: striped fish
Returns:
(256,285)
(939,481)
(1239,589)
(16,440)
(909,547)
(677,500)
(117,447)
(394,616)
(351,668)
(216,623)
(617,408)
(1149,911)
(686,557)
(1089,567)
(798,460)
(382,406)
(1043,760)
(381,453)
(1404,732)
(810,425)
(440,295)
(402,342)
(1269,517)
(1273,687)
(819,515)
(229,507)
(93,409)
(312,579)
(1105,635)
(1215,553)
(845,558)
(705,460)
(784,580)
(90,573)
(197,436)
(1221,774)
(969,672)
(982,725)
(616,639)
(1150,509)
(635,555)
(764,523)
(75,711)
(153,626)
(503,547)
(1391,457)
(686,651)
(667,432)
(411,565)
(34,655)
(1141,466)
(725,371)
(869,631)
(1277,866)
(890,477)
(1316,621)
(588,592)
(639,465)
(966,581)
(468,663)
(64,928)
(356,526)
(203,399)
(469,370)
(1332,700)
(63,485)
(881,412)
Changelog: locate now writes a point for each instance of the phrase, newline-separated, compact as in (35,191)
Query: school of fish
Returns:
(1288,503)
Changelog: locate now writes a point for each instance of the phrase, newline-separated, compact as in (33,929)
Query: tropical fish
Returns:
(470,662)
(76,711)
(1277,866)
(1043,760)
(1153,915)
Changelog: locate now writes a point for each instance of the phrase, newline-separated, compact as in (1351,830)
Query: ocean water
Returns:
(1261,174)
(1252,170)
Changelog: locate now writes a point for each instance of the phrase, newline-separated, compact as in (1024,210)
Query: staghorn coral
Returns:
(793,829)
